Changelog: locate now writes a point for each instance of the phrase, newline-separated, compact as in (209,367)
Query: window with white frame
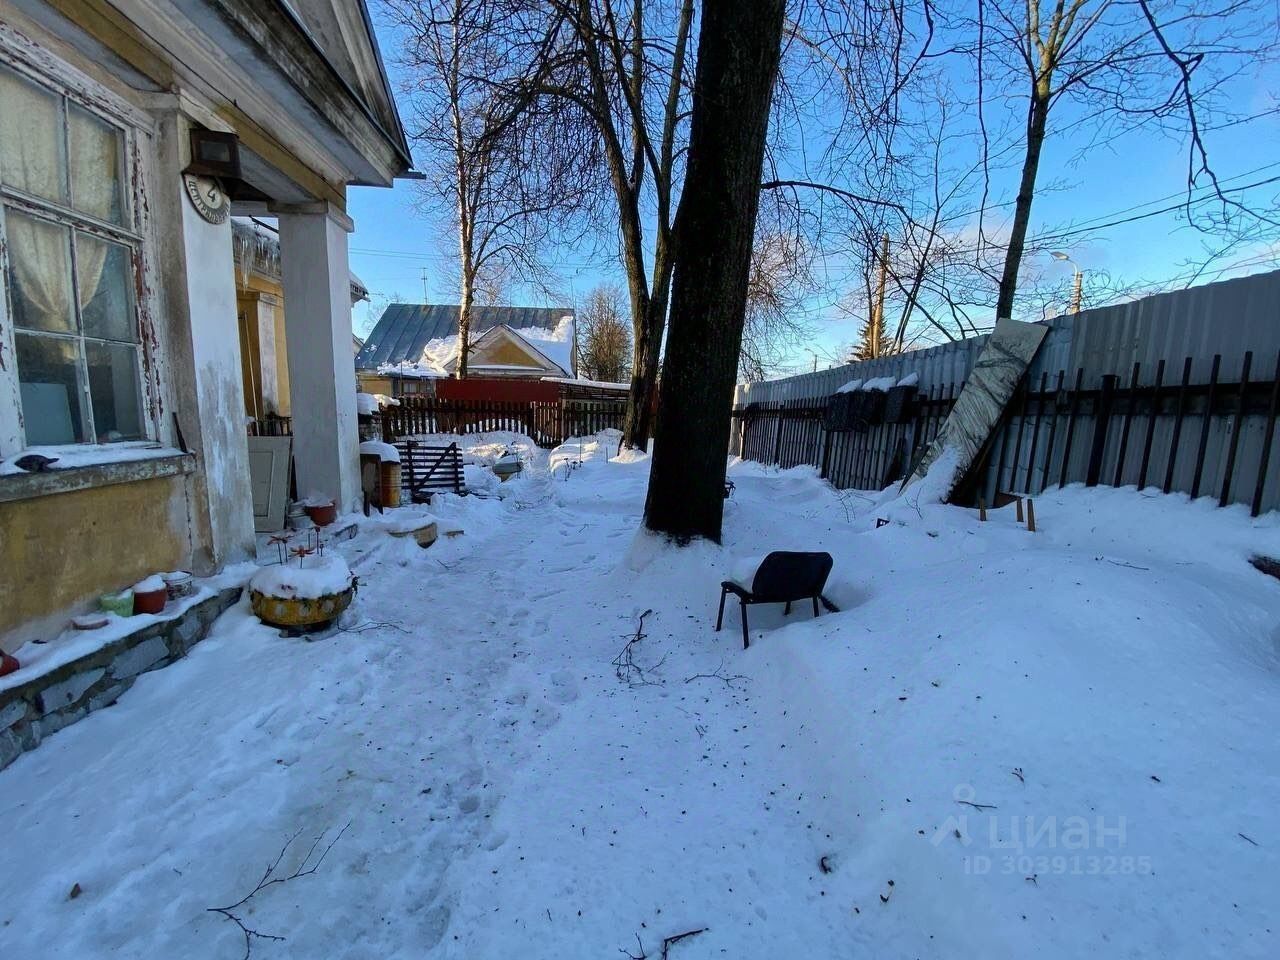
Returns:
(71,249)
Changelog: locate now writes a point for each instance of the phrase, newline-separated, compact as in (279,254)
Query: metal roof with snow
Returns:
(404,329)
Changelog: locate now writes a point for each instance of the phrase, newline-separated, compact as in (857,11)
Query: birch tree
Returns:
(1153,63)
(482,152)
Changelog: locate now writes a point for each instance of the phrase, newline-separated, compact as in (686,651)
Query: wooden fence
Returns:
(1188,432)
(548,424)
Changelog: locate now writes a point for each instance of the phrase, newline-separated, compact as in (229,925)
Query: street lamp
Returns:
(1077,283)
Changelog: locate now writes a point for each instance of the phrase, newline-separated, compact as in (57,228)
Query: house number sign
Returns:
(207,196)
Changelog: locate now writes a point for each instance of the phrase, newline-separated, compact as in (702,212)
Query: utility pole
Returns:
(878,316)
(1077,282)
(425,298)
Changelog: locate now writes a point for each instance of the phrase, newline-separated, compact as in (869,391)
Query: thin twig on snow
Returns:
(624,664)
(269,879)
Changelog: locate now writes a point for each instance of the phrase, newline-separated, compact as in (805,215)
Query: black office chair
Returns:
(782,577)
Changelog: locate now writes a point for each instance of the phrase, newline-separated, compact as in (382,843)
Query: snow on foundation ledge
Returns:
(82,671)
(39,659)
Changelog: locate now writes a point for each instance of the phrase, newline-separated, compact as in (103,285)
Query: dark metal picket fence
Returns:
(1189,433)
(548,424)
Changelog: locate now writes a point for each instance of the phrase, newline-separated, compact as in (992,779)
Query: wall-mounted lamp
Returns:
(214,153)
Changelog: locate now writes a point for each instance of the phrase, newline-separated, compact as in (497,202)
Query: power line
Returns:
(1086,226)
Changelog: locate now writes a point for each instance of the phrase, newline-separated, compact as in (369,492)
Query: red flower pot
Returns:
(152,601)
(324,515)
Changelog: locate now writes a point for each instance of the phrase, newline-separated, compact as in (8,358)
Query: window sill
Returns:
(128,465)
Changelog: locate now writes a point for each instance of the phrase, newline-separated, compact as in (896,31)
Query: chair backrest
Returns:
(790,575)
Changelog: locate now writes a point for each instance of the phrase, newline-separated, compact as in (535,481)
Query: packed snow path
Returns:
(491,788)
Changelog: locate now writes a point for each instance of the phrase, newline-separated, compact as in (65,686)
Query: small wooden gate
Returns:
(427,469)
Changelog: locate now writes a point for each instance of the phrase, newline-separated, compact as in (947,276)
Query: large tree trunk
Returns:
(1036,119)
(738,51)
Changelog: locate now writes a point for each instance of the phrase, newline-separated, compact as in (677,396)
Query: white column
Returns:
(322,376)
(211,391)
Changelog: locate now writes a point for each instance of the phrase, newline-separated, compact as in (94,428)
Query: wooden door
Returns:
(269,476)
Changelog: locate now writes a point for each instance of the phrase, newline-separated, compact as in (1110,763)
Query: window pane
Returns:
(39,273)
(31,138)
(105,277)
(49,383)
(95,153)
(113,387)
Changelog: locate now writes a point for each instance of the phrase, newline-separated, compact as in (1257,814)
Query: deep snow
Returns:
(507,795)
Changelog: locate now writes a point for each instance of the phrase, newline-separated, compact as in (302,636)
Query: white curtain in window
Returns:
(30,132)
(32,162)
(93,156)
(38,253)
(31,138)
(90,258)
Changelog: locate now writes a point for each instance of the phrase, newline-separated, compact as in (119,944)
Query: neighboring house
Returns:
(121,122)
(414,344)
(260,314)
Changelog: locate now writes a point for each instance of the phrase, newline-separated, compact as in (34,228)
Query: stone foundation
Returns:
(45,704)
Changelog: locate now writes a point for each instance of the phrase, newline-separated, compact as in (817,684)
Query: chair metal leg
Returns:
(720,615)
(786,611)
(746,637)
(815,606)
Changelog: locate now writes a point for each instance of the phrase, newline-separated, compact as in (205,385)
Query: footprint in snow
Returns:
(496,840)
(545,717)
(518,697)
(564,687)
(350,693)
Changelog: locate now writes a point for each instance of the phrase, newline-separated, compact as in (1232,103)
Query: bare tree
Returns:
(626,67)
(1154,62)
(604,336)
(618,75)
(481,151)
(628,75)
(781,279)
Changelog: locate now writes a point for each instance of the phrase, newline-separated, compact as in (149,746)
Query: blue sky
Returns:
(393,243)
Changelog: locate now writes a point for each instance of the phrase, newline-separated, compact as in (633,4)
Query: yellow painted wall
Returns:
(505,352)
(372,383)
(60,551)
(249,288)
(250,356)
(283,406)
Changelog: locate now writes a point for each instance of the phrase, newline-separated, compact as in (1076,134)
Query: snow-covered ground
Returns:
(1056,744)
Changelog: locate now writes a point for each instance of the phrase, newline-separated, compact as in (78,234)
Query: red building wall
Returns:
(505,389)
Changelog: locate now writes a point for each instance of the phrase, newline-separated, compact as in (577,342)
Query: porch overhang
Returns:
(305,132)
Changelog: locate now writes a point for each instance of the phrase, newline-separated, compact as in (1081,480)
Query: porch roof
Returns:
(302,85)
